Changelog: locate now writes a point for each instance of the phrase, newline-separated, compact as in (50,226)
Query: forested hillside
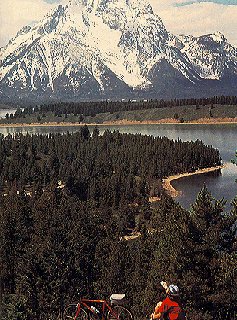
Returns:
(64,237)
(181,110)
(91,108)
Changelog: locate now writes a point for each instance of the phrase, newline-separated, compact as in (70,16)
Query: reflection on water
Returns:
(221,183)
(38,130)
(223,137)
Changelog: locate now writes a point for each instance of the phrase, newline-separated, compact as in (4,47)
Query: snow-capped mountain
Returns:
(93,49)
(211,55)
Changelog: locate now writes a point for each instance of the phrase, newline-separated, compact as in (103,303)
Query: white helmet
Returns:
(173,290)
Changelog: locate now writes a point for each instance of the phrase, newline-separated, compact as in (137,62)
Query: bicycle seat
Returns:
(117,298)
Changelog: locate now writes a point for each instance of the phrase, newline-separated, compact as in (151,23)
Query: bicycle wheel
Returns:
(119,313)
(70,313)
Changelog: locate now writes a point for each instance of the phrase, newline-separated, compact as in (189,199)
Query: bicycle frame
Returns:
(84,304)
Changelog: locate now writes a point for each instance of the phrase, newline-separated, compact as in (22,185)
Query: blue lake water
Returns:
(220,136)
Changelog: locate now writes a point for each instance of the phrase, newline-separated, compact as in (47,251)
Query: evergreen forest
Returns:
(81,110)
(69,203)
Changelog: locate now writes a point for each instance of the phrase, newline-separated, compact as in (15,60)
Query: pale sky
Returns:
(179,16)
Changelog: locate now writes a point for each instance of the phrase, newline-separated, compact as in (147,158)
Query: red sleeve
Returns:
(164,307)
(157,309)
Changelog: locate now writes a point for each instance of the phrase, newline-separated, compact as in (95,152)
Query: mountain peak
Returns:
(218,37)
(100,5)
(92,48)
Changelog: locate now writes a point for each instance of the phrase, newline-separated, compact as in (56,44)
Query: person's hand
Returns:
(159,304)
(164,285)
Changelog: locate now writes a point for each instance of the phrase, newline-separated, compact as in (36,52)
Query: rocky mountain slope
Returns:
(97,49)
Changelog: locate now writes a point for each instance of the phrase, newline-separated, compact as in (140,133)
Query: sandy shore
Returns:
(172,191)
(123,122)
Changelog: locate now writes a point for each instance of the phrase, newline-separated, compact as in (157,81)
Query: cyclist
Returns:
(170,308)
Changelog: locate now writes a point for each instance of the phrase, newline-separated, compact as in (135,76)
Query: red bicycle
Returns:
(88,309)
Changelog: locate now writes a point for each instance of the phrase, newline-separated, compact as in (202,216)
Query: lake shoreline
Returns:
(167,182)
(123,122)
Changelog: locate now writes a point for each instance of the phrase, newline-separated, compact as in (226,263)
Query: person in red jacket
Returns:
(170,308)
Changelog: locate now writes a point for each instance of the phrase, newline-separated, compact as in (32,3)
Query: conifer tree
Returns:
(211,236)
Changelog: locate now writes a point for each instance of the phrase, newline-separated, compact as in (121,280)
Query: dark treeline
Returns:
(61,242)
(93,108)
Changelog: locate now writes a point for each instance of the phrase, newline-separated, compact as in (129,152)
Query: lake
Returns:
(220,136)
